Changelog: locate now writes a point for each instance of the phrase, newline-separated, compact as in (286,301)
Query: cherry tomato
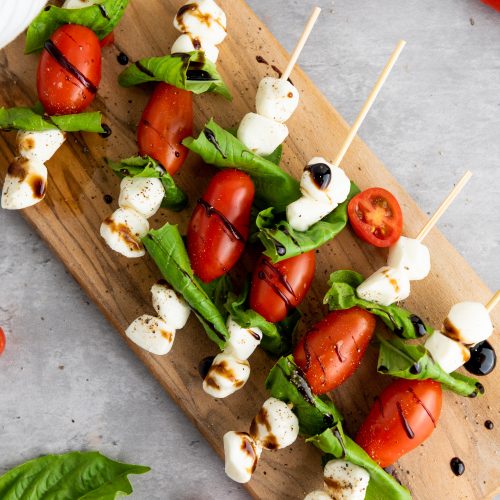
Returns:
(404,416)
(333,349)
(69,70)
(376,217)
(165,123)
(2,341)
(278,288)
(220,224)
(492,3)
(108,40)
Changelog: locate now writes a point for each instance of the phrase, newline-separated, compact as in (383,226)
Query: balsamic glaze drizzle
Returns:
(205,365)
(210,210)
(213,140)
(104,12)
(321,174)
(263,276)
(420,402)
(483,359)
(404,422)
(199,75)
(281,277)
(457,466)
(143,69)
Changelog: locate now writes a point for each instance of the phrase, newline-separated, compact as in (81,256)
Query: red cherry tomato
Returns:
(278,288)
(333,349)
(220,224)
(376,217)
(404,416)
(165,123)
(69,70)
(2,341)
(108,40)
(492,3)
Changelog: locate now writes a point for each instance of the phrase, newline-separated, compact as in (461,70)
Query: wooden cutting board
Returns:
(69,219)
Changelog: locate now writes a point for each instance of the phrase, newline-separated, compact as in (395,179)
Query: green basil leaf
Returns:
(273,186)
(101,18)
(281,241)
(342,295)
(81,122)
(167,249)
(275,156)
(144,166)
(180,70)
(399,359)
(74,475)
(336,444)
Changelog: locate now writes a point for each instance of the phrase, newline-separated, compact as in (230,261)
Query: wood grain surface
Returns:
(72,212)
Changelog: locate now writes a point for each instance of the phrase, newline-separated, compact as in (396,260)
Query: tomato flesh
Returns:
(376,217)
(108,40)
(333,349)
(2,341)
(67,83)
(403,416)
(278,288)
(492,3)
(220,224)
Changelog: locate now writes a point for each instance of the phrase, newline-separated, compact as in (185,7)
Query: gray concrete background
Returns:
(68,381)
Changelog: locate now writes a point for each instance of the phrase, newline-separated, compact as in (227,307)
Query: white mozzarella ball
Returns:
(123,232)
(202,19)
(468,322)
(226,376)
(318,495)
(39,146)
(25,184)
(185,44)
(411,256)
(174,310)
(275,426)
(142,194)
(242,342)
(151,334)
(241,456)
(345,480)
(79,4)
(385,286)
(261,135)
(305,212)
(276,99)
(448,353)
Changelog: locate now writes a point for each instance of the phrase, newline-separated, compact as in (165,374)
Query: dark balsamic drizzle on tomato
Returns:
(281,277)
(483,359)
(420,402)
(104,12)
(51,48)
(205,365)
(457,466)
(381,406)
(321,174)
(263,276)
(213,140)
(210,210)
(404,421)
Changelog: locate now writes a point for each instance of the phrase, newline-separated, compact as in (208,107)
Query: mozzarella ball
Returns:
(39,146)
(174,310)
(185,44)
(151,334)
(448,353)
(25,184)
(385,287)
(275,426)
(318,495)
(226,376)
(260,134)
(468,322)
(305,212)
(276,99)
(143,194)
(123,232)
(410,256)
(345,480)
(78,4)
(241,456)
(202,19)
(242,342)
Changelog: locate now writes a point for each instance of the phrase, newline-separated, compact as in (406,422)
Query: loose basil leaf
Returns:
(219,290)
(88,475)
(413,362)
(336,444)
(144,166)
(281,241)
(101,18)
(273,186)
(167,249)
(81,122)
(275,156)
(342,295)
(190,71)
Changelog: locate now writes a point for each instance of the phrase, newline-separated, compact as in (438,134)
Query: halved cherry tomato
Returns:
(278,288)
(69,70)
(108,40)
(376,217)
(402,417)
(2,341)
(165,123)
(333,349)
(220,224)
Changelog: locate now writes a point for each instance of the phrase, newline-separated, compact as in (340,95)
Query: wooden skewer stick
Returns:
(493,302)
(369,102)
(444,206)
(301,43)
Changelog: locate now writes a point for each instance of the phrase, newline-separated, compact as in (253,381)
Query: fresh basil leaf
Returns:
(81,122)
(101,18)
(75,475)
(399,359)
(167,249)
(275,156)
(144,166)
(273,186)
(190,71)
(219,290)
(281,241)
(336,444)
(342,295)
